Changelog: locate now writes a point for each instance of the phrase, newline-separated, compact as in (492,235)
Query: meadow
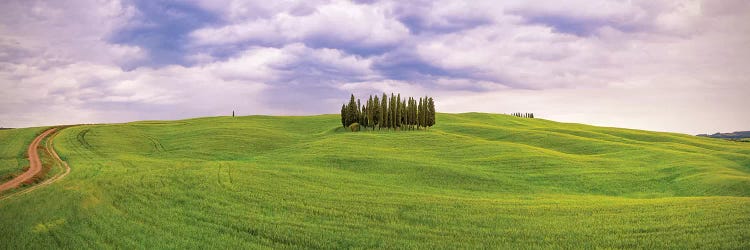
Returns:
(13,146)
(473,180)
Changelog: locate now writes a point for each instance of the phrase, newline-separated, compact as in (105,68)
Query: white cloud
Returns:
(663,65)
(235,10)
(367,88)
(55,32)
(100,92)
(341,23)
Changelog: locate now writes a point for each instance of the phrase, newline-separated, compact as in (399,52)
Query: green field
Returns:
(472,181)
(13,146)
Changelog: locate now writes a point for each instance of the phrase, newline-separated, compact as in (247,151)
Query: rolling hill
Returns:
(13,150)
(472,181)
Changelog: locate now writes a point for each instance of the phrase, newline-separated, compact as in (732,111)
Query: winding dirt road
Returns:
(35,164)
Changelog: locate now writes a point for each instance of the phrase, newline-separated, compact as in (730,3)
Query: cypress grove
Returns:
(389,112)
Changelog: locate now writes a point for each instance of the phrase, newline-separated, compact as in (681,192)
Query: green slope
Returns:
(13,146)
(474,180)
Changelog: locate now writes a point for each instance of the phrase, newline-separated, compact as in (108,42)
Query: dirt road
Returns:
(35,164)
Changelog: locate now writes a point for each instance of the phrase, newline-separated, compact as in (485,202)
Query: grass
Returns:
(472,181)
(13,146)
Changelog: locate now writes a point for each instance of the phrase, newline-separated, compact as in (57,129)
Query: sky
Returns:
(663,65)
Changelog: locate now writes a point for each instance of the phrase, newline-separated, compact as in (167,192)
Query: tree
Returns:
(370,113)
(430,112)
(376,112)
(426,116)
(408,113)
(359,112)
(343,115)
(364,121)
(402,111)
(392,112)
(384,111)
(398,111)
(420,114)
(351,111)
(413,112)
(403,114)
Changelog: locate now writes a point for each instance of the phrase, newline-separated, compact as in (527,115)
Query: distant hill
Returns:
(733,135)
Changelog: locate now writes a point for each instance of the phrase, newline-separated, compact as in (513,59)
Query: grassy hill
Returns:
(474,180)
(13,146)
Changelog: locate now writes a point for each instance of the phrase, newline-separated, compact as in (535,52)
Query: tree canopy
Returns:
(391,112)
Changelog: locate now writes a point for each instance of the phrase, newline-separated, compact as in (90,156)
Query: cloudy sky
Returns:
(679,66)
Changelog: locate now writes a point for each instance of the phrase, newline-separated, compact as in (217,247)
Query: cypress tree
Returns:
(398,111)
(413,113)
(392,112)
(359,112)
(384,111)
(404,114)
(365,122)
(430,112)
(370,113)
(343,115)
(426,110)
(376,111)
(419,113)
(351,115)
(408,113)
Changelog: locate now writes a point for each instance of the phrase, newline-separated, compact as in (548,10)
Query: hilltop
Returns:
(473,180)
(733,135)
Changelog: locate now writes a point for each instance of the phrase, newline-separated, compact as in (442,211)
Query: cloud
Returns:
(665,65)
(161,28)
(50,33)
(445,16)
(343,25)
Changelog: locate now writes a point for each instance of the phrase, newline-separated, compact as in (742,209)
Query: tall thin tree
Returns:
(430,112)
(376,110)
(343,115)
(351,111)
(384,111)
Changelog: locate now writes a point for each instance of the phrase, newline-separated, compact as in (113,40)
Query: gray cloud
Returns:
(664,65)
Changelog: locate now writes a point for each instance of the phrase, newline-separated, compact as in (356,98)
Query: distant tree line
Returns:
(524,115)
(389,113)
(738,135)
